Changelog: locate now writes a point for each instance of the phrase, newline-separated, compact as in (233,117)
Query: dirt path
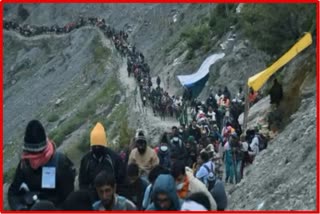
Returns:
(143,118)
(139,116)
(49,35)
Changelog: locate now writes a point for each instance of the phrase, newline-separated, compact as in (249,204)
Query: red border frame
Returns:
(173,1)
(158,1)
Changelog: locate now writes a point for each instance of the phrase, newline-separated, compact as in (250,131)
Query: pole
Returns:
(246,108)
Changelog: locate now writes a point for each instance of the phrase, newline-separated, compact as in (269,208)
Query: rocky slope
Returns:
(68,62)
(283,177)
(45,76)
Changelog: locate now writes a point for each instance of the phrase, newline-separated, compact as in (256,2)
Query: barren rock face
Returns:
(283,176)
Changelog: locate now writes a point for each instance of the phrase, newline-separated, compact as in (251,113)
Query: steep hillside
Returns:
(45,76)
(283,176)
(152,26)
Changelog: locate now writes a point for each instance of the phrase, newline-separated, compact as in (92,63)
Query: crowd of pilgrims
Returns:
(156,97)
(187,170)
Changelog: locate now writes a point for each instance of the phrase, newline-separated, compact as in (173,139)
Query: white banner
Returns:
(189,80)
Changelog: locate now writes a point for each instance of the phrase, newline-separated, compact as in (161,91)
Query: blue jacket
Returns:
(147,197)
(165,184)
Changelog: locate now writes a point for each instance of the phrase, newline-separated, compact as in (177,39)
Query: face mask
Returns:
(164,148)
(142,150)
(142,147)
(179,186)
(98,151)
(175,139)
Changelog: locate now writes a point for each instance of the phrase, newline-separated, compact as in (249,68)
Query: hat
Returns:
(139,132)
(35,139)
(140,138)
(210,148)
(98,136)
(191,139)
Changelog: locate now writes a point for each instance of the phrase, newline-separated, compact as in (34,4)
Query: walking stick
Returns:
(246,111)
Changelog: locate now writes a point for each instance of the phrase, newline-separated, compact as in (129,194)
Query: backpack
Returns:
(263,142)
(107,159)
(211,179)
(247,158)
(54,161)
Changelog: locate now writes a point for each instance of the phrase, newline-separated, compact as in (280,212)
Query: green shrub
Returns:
(9,175)
(273,28)
(198,37)
(105,97)
(52,118)
(56,136)
(195,38)
(84,145)
(59,135)
(208,46)
(88,110)
(125,134)
(100,52)
(222,17)
(225,10)
(216,24)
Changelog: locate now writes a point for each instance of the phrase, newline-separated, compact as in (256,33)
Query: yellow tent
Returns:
(257,81)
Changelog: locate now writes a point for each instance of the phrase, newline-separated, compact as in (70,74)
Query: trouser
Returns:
(242,168)
(238,170)
(229,172)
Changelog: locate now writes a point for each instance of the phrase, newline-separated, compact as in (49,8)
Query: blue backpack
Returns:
(211,179)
